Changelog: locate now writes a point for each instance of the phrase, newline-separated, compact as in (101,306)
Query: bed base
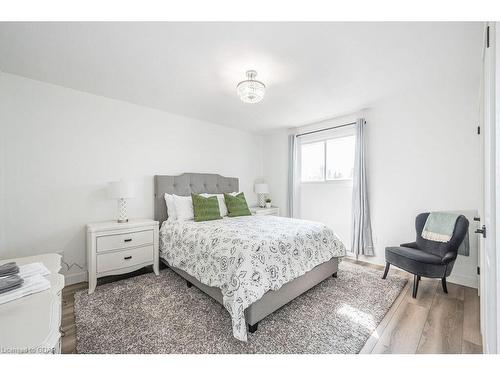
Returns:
(273,299)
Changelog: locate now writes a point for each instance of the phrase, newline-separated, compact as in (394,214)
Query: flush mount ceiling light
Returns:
(250,90)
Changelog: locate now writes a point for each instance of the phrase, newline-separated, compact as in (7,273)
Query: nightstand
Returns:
(116,248)
(274,211)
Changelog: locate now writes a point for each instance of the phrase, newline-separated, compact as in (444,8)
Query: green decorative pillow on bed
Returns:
(205,208)
(236,205)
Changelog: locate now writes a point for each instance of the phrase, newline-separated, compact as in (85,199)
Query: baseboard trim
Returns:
(75,278)
(469,281)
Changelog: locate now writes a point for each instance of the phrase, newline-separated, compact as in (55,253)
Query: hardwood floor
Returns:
(434,322)
(68,326)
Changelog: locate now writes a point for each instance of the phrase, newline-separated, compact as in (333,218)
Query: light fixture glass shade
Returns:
(261,188)
(121,189)
(251,91)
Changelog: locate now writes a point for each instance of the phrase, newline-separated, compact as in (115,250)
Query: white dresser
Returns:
(31,324)
(115,248)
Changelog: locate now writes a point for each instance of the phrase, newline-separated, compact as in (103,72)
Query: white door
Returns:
(489,300)
(482,181)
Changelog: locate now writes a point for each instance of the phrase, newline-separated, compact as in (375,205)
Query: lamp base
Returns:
(262,200)
(122,210)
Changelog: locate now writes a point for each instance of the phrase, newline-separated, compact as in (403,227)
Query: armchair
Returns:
(425,258)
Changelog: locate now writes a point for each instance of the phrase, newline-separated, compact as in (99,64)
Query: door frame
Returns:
(490,292)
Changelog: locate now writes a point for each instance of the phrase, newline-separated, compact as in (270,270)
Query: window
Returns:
(313,162)
(340,158)
(328,160)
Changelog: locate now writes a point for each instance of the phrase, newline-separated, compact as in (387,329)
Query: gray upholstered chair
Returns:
(424,258)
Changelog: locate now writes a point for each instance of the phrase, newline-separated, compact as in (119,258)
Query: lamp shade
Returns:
(121,189)
(261,189)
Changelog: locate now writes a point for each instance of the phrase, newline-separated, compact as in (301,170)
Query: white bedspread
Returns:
(247,256)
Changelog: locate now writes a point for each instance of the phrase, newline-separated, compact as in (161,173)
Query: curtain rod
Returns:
(322,130)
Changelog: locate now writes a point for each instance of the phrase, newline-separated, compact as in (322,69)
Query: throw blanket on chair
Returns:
(439,227)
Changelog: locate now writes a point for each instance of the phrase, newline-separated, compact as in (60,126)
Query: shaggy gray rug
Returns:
(149,314)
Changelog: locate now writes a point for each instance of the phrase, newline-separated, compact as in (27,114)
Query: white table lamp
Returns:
(121,190)
(261,190)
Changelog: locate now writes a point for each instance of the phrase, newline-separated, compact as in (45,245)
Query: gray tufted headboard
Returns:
(188,183)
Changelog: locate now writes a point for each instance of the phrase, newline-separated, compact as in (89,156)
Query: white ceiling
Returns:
(312,71)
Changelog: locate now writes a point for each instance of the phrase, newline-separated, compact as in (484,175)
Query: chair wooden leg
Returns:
(445,287)
(387,265)
(415,286)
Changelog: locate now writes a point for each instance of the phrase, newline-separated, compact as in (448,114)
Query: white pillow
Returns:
(184,207)
(220,200)
(169,200)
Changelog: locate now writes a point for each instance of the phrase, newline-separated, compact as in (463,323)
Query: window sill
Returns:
(346,181)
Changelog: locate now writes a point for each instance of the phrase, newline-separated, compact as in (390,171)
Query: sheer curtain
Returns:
(293,203)
(362,243)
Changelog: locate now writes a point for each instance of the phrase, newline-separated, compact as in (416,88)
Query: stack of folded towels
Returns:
(19,281)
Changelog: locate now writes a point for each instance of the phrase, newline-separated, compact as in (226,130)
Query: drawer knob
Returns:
(127,258)
(127,239)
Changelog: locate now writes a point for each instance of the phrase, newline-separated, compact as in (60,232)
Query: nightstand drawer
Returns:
(273,211)
(125,240)
(123,259)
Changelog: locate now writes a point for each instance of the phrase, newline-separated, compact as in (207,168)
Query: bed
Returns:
(253,265)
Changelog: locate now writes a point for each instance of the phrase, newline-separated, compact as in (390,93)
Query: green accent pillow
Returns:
(205,208)
(236,205)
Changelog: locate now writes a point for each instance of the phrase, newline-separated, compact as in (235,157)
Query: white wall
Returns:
(62,146)
(275,165)
(423,154)
(3,109)
(329,203)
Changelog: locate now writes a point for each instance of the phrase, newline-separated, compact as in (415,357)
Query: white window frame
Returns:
(324,140)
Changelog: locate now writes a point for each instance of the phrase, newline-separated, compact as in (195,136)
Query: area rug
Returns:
(159,314)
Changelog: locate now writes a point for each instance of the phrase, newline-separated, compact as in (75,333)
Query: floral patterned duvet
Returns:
(247,256)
